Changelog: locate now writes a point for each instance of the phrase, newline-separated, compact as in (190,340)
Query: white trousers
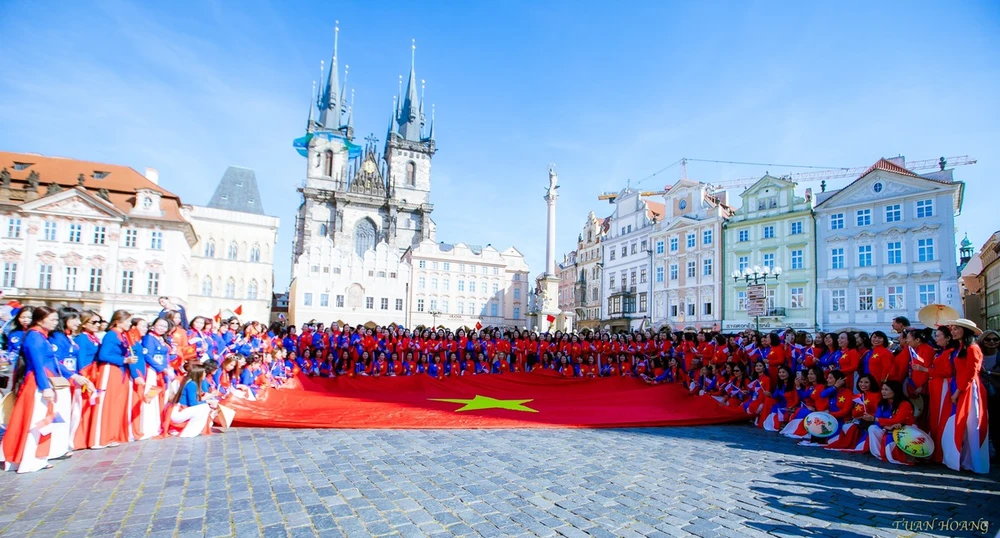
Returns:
(193,419)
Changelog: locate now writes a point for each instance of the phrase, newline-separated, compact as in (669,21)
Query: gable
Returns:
(765,183)
(881,185)
(72,203)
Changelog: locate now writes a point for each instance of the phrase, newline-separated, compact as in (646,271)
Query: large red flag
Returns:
(526,400)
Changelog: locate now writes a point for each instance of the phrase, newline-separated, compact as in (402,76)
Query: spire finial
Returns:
(312,97)
(430,134)
(343,93)
(336,37)
(413,55)
(399,96)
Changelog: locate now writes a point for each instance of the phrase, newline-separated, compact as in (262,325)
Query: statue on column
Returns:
(553,180)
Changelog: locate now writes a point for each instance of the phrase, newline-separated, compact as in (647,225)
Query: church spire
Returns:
(392,120)
(330,105)
(312,99)
(430,135)
(410,119)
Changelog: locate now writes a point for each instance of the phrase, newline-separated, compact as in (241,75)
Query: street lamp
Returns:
(435,313)
(759,277)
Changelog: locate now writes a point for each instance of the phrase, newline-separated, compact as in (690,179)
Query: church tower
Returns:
(409,147)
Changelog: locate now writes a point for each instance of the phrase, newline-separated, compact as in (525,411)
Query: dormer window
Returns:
(225,197)
(21,166)
(100,175)
(250,201)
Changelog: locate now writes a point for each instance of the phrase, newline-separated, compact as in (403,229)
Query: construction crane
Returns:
(611,196)
(837,173)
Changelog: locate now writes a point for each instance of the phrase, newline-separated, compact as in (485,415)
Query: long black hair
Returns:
(21,367)
(897,396)
(195,374)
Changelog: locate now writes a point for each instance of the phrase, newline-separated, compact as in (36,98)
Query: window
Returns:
(690,240)
(797,259)
(434,283)
(706,237)
(632,280)
(659,274)
(769,232)
(642,302)
(673,310)
(864,217)
(744,263)
(422,264)
(71,273)
(624,250)
(927,294)
(445,284)
(206,286)
(131,238)
(894,252)
(797,297)
(50,231)
(384,303)
(461,284)
(45,277)
(925,208)
(99,233)
(612,251)
(838,300)
(128,279)
(706,309)
(894,296)
(434,305)
(796,228)
(612,280)
(642,275)
(690,307)
(9,274)
(472,307)
(629,228)
(153,285)
(210,249)
(744,236)
(493,309)
(399,305)
(340,301)
(837,221)
(461,308)
(411,173)
(633,248)
(75,232)
(517,293)
(307,299)
(517,312)
(156,240)
(96,279)
(252,294)
(925,250)
(231,289)
(769,260)
(233,251)
(893,213)
(673,271)
(837,258)
(14,227)
(447,266)
(673,244)
(314,269)
(255,253)
(370,303)
(496,270)
(741,300)
(706,267)
(692,269)
(659,247)
(864,256)
(866,299)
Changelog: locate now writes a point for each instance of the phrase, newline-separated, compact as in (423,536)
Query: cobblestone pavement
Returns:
(705,481)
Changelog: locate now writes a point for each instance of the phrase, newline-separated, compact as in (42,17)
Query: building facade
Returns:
(589,265)
(885,247)
(463,285)
(989,281)
(360,210)
(774,229)
(628,261)
(232,264)
(90,235)
(686,257)
(567,273)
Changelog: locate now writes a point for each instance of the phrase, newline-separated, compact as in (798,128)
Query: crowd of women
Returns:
(77,388)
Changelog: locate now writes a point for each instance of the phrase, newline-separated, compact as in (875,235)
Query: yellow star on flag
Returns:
(485,402)
(840,400)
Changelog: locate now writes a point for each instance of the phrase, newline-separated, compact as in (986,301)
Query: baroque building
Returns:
(774,229)
(90,235)
(566,271)
(686,256)
(989,281)
(628,261)
(232,264)
(360,210)
(885,246)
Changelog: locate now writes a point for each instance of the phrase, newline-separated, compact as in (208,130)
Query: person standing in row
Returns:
(108,416)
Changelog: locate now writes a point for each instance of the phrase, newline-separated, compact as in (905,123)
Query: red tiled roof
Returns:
(655,209)
(888,166)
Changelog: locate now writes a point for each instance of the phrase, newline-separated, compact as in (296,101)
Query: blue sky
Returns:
(606,93)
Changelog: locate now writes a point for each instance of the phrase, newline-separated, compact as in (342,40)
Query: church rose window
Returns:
(364,237)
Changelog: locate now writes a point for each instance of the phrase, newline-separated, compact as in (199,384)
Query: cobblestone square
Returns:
(702,481)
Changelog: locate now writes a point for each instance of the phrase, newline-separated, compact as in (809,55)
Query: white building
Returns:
(628,261)
(687,247)
(885,246)
(90,235)
(461,285)
(233,263)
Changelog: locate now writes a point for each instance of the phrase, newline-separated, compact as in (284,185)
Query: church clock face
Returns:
(369,167)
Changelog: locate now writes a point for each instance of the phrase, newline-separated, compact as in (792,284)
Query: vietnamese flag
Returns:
(523,400)
(550,318)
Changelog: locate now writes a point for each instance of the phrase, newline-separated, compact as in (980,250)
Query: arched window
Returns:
(252,290)
(328,163)
(206,286)
(255,253)
(411,173)
(210,249)
(364,236)
(230,288)
(233,250)
(323,230)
